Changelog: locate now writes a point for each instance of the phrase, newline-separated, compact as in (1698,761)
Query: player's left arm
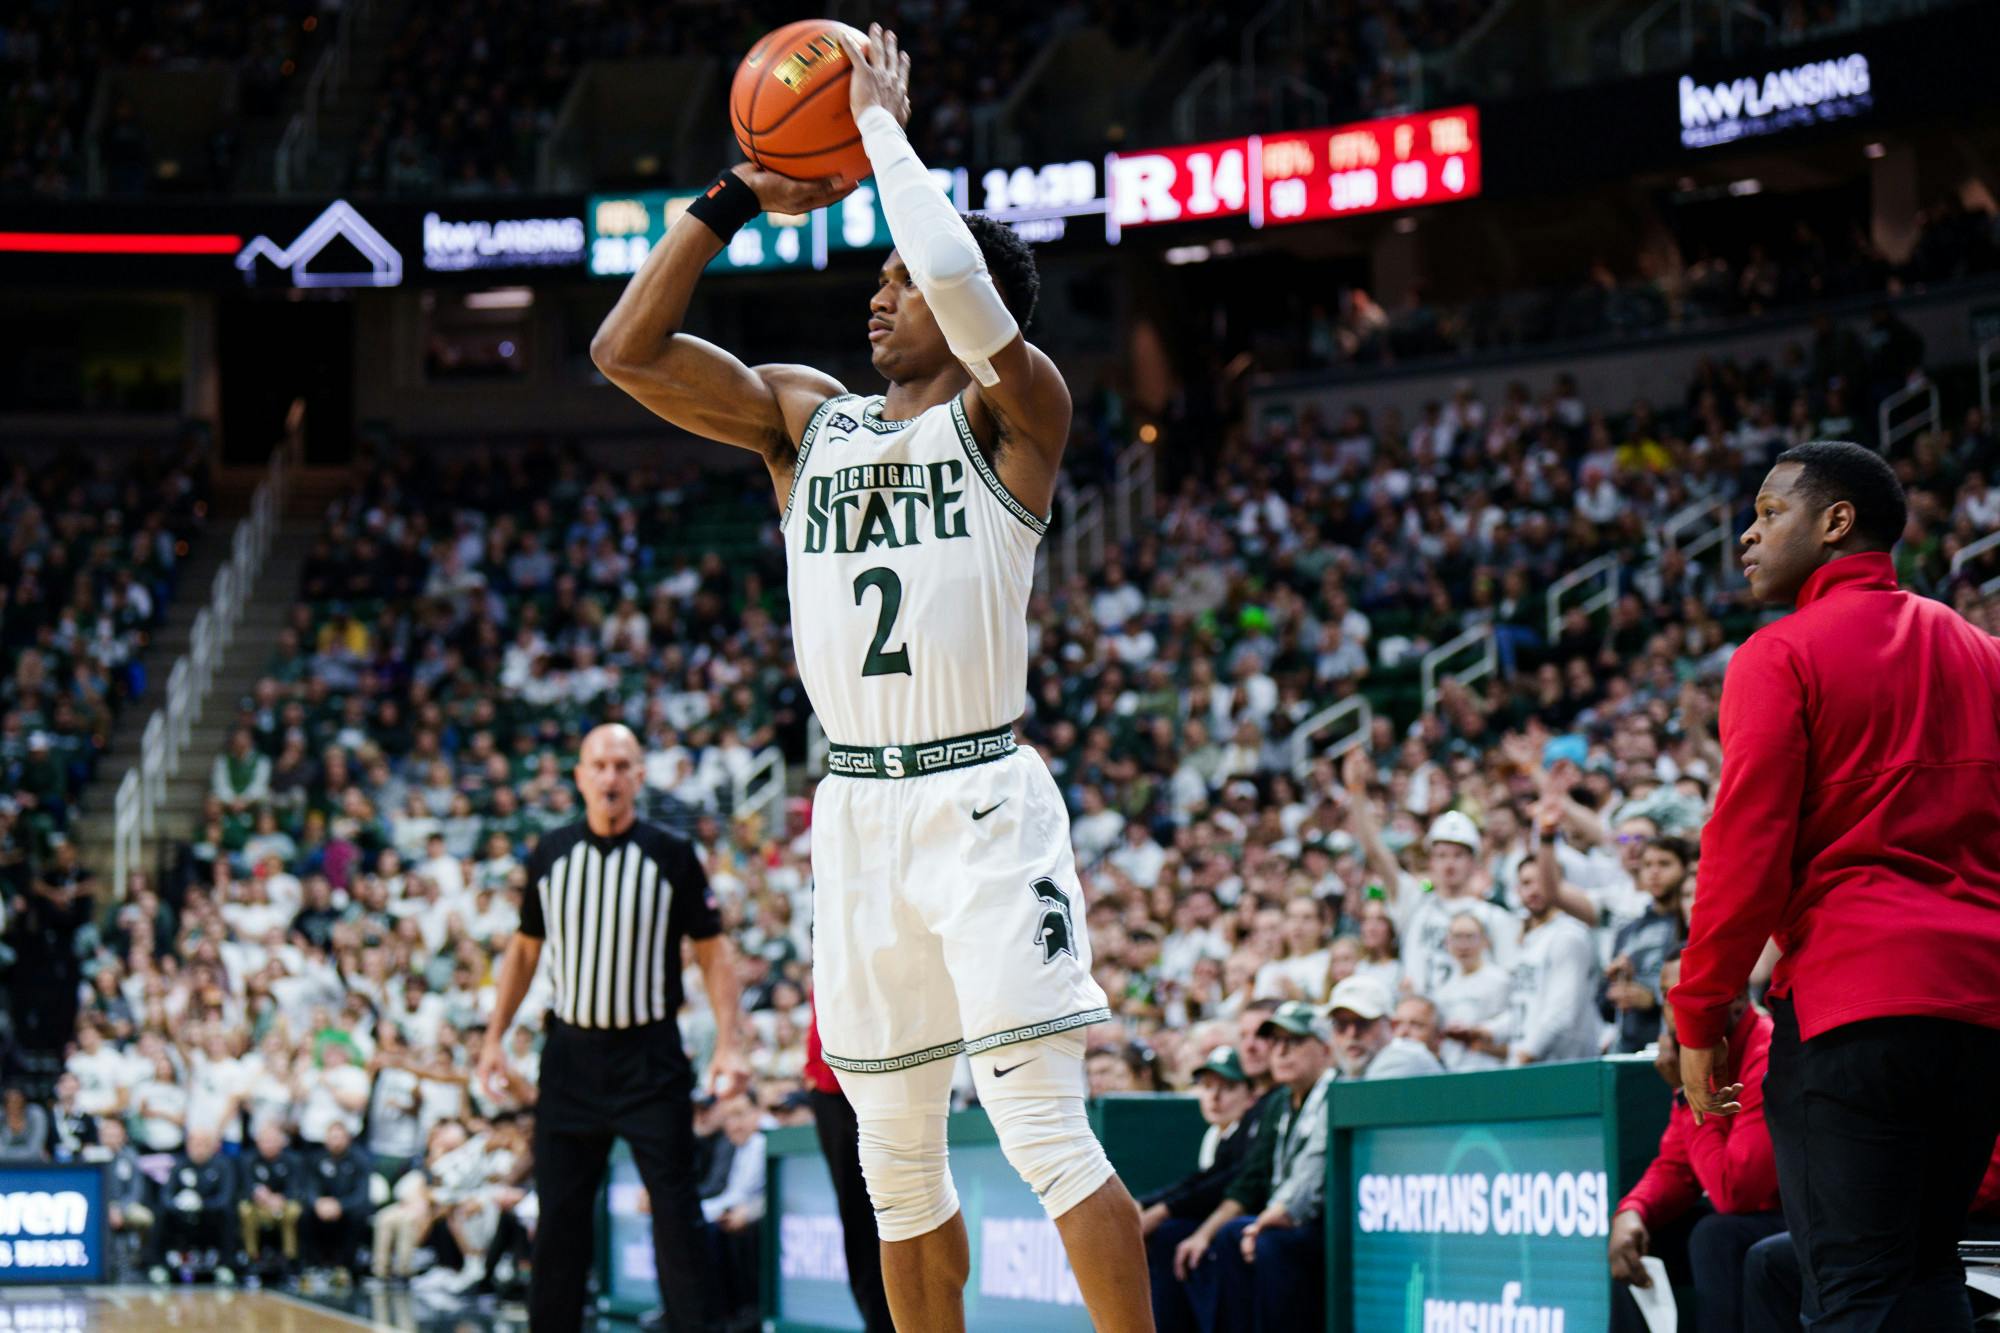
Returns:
(1018,399)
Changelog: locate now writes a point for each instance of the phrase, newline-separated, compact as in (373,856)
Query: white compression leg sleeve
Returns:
(937,248)
(1033,1093)
(902,1119)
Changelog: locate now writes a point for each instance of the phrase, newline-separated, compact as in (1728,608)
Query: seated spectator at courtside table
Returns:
(335,1224)
(197,1203)
(1773,1289)
(732,1215)
(128,1194)
(271,1184)
(1710,1194)
(1170,1215)
(1259,1250)
(1365,1044)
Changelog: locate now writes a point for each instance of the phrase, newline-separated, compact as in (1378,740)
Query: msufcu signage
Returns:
(1774,100)
(51,1224)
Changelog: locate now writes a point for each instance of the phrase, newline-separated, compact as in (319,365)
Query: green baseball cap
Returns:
(1224,1064)
(1296,1018)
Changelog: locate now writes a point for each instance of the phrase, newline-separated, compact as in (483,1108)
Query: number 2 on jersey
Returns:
(878,662)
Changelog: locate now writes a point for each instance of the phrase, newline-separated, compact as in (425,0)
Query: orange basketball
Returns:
(788,103)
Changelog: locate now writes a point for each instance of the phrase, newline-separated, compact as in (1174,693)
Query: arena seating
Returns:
(86,574)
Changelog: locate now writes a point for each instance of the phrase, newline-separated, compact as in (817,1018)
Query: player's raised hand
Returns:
(881,74)
(782,194)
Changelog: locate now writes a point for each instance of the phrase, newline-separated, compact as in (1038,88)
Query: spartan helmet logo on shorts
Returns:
(1055,932)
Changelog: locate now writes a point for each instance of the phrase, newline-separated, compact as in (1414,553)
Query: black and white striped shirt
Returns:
(613,912)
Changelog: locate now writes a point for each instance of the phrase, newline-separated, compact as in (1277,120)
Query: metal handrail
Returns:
(169,731)
(1082,532)
(1888,437)
(1965,554)
(816,747)
(153,768)
(762,785)
(1604,567)
(1302,735)
(125,830)
(301,138)
(1716,535)
(1480,636)
(177,712)
(1215,72)
(1135,491)
(1632,46)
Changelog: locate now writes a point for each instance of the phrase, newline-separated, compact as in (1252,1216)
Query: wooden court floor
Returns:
(143,1309)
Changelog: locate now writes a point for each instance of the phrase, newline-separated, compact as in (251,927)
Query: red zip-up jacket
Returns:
(1727,1157)
(1858,814)
(818,1073)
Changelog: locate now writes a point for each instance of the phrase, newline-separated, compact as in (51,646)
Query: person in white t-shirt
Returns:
(1553,994)
(216,1080)
(442,868)
(159,1110)
(1473,1002)
(417,1011)
(102,1086)
(334,1090)
(1301,973)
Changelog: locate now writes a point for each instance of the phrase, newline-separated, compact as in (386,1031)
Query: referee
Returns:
(611,898)
(1858,822)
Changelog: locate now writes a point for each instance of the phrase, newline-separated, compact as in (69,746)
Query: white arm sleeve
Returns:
(937,248)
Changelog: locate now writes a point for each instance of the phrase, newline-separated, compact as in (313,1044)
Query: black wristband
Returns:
(725,205)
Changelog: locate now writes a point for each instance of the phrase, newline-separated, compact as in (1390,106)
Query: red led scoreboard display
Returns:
(1301,175)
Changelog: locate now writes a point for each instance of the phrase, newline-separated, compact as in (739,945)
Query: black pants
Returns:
(840,1143)
(1772,1287)
(196,1229)
(1704,1252)
(633,1084)
(1882,1130)
(332,1244)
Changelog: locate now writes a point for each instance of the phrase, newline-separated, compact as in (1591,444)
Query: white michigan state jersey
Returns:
(910,568)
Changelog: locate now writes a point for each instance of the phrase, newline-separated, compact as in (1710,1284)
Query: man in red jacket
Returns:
(1858,821)
(1725,1160)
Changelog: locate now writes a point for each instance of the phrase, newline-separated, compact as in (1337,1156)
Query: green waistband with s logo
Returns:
(915,761)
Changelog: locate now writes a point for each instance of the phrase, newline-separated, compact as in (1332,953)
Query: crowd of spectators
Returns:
(51,56)
(89,547)
(1703,288)
(1496,881)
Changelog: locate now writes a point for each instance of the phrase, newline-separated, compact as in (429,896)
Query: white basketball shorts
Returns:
(947,916)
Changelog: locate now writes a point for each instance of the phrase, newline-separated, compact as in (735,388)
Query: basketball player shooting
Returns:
(947,911)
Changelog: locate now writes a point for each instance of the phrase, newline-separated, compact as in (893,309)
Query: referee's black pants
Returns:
(596,1085)
(1882,1130)
(840,1143)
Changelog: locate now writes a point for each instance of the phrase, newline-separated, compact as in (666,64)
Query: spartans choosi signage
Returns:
(1481,1227)
(1773,100)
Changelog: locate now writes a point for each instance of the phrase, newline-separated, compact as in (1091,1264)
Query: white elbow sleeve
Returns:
(938,249)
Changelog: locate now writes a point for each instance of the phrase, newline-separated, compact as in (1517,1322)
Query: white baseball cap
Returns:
(1364,996)
(1454,826)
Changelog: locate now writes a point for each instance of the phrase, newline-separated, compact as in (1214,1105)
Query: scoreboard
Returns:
(1269,179)
(1300,175)
(623,229)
